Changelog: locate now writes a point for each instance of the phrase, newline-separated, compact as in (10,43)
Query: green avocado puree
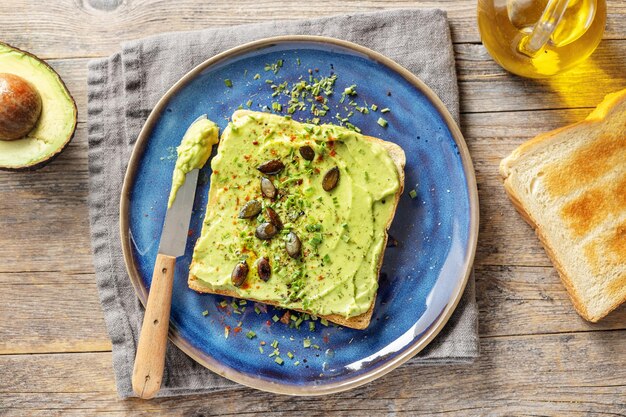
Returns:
(342,231)
(193,152)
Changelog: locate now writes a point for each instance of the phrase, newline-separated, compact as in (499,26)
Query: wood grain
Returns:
(554,375)
(60,312)
(538,357)
(74,28)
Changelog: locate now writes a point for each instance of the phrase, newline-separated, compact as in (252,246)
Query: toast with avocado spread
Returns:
(297,217)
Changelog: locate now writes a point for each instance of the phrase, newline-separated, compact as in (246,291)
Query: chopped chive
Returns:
(296,363)
(249,103)
(385,110)
(324,322)
(382,122)
(223,303)
(243,302)
(274,344)
(278,360)
(257,76)
(250,335)
(275,318)
(315,346)
(261,349)
(298,61)
(412,193)
(205,313)
(290,355)
(374,107)
(257,310)
(312,326)
(228,83)
(306,343)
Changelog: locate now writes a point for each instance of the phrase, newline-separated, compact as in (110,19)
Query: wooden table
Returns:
(538,357)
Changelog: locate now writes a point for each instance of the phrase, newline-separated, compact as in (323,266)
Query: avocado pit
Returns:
(20,107)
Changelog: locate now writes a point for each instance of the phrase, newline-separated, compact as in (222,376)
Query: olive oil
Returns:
(540,38)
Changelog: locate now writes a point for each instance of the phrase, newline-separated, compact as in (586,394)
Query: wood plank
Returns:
(78,29)
(570,374)
(486,87)
(59,312)
(530,300)
(50,312)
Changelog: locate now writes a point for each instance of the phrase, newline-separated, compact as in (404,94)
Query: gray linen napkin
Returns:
(123,88)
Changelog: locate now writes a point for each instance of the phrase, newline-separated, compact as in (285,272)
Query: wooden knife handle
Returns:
(150,359)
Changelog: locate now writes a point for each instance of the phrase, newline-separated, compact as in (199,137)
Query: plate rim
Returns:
(417,345)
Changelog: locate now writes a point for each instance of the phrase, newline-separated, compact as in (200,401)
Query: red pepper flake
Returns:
(237,329)
(320,158)
(225,188)
(320,278)
(326,338)
(237,200)
(216,172)
(293,138)
(319,98)
(331,142)
(247,198)
(273,152)
(285,318)
(190,232)
(317,170)
(333,153)
(255,142)
(234,176)
(245,286)
(300,181)
(268,323)
(247,157)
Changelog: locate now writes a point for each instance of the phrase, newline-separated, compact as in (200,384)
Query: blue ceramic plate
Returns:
(422,278)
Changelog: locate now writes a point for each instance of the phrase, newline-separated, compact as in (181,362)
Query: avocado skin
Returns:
(53,156)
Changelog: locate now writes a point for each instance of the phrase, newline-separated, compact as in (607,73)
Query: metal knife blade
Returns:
(177,218)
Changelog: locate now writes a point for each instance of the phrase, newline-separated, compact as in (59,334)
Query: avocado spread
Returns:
(312,239)
(57,121)
(193,152)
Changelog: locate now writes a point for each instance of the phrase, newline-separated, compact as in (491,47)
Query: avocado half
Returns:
(57,122)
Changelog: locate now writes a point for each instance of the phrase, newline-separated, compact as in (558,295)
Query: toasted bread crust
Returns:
(362,320)
(605,110)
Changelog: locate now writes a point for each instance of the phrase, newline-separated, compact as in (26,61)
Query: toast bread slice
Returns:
(357,322)
(570,186)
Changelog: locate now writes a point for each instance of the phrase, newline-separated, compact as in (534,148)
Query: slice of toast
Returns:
(360,321)
(570,186)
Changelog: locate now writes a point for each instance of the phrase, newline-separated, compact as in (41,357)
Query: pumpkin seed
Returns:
(266,231)
(293,245)
(331,178)
(267,188)
(239,274)
(273,218)
(251,209)
(272,167)
(264,269)
(307,152)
